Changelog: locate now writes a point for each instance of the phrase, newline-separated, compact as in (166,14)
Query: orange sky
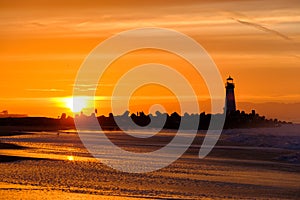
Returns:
(43,43)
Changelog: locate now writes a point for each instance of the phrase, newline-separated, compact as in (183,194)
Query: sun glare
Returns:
(77,106)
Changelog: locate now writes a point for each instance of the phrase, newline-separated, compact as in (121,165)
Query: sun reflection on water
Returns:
(70,158)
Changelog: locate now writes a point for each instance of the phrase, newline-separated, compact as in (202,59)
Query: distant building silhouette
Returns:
(5,114)
(63,116)
(230,99)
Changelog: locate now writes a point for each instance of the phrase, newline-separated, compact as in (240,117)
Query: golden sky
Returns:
(43,43)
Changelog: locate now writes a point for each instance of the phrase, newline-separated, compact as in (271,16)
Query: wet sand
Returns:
(17,191)
(245,164)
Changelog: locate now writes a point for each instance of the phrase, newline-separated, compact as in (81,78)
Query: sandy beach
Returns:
(262,163)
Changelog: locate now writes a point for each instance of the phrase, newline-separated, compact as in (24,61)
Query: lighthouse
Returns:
(230,99)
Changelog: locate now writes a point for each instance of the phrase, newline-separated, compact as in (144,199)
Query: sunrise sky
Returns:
(43,43)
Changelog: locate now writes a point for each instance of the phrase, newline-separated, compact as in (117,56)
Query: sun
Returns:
(77,106)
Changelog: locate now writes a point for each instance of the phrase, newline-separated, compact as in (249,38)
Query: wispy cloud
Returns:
(45,90)
(262,28)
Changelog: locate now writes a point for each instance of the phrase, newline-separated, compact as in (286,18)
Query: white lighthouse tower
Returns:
(230,99)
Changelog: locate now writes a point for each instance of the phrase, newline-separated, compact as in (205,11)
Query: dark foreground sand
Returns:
(246,164)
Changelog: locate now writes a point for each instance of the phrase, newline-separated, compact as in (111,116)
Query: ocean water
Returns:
(246,163)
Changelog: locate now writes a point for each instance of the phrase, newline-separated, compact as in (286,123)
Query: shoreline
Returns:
(259,163)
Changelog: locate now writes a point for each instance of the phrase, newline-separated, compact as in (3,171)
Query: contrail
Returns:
(263,28)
